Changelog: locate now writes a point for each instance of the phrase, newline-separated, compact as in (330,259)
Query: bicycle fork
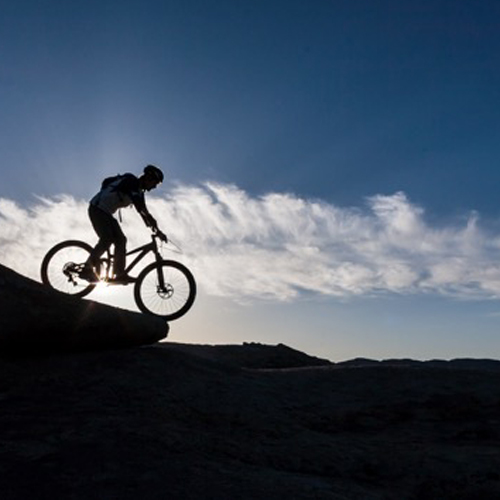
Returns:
(164,290)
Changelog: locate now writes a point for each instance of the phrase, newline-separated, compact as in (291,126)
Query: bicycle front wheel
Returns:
(62,265)
(166,289)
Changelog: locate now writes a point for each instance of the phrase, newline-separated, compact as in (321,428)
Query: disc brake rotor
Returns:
(165,292)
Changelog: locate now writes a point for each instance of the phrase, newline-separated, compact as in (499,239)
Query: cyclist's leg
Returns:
(120,242)
(103,224)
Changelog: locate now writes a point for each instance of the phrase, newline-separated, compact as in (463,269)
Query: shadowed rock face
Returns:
(165,422)
(36,319)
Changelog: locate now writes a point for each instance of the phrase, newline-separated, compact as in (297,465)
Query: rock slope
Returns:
(35,319)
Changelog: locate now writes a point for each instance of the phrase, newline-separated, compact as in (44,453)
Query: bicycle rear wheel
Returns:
(62,265)
(166,289)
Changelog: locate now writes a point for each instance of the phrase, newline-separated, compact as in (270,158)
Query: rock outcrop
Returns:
(252,355)
(35,319)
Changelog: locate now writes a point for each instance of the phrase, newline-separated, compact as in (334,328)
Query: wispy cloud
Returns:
(280,246)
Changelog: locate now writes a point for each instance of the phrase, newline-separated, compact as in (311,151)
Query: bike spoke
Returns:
(169,297)
(61,268)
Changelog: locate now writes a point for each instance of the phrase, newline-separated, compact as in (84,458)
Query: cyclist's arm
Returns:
(137,197)
(130,185)
(140,206)
(149,220)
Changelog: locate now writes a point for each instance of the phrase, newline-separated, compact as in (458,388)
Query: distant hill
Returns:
(252,355)
(454,364)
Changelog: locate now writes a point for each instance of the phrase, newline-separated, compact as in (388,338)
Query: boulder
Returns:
(36,319)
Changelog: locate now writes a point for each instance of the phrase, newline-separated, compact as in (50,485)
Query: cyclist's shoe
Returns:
(122,279)
(88,274)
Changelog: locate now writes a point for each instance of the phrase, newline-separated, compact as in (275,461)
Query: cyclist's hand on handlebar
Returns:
(162,236)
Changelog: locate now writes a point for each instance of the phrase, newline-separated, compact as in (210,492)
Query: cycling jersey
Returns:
(120,193)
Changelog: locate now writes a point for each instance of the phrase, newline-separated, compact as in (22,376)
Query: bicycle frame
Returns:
(142,251)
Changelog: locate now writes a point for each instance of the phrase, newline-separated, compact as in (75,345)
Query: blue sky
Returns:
(357,140)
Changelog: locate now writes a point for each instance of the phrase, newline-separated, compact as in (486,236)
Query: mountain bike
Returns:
(164,288)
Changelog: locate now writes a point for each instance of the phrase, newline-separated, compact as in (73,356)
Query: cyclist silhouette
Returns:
(119,192)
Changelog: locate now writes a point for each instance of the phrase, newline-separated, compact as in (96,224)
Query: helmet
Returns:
(154,172)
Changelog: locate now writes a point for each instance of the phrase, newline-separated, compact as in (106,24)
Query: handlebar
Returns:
(160,235)
(157,233)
